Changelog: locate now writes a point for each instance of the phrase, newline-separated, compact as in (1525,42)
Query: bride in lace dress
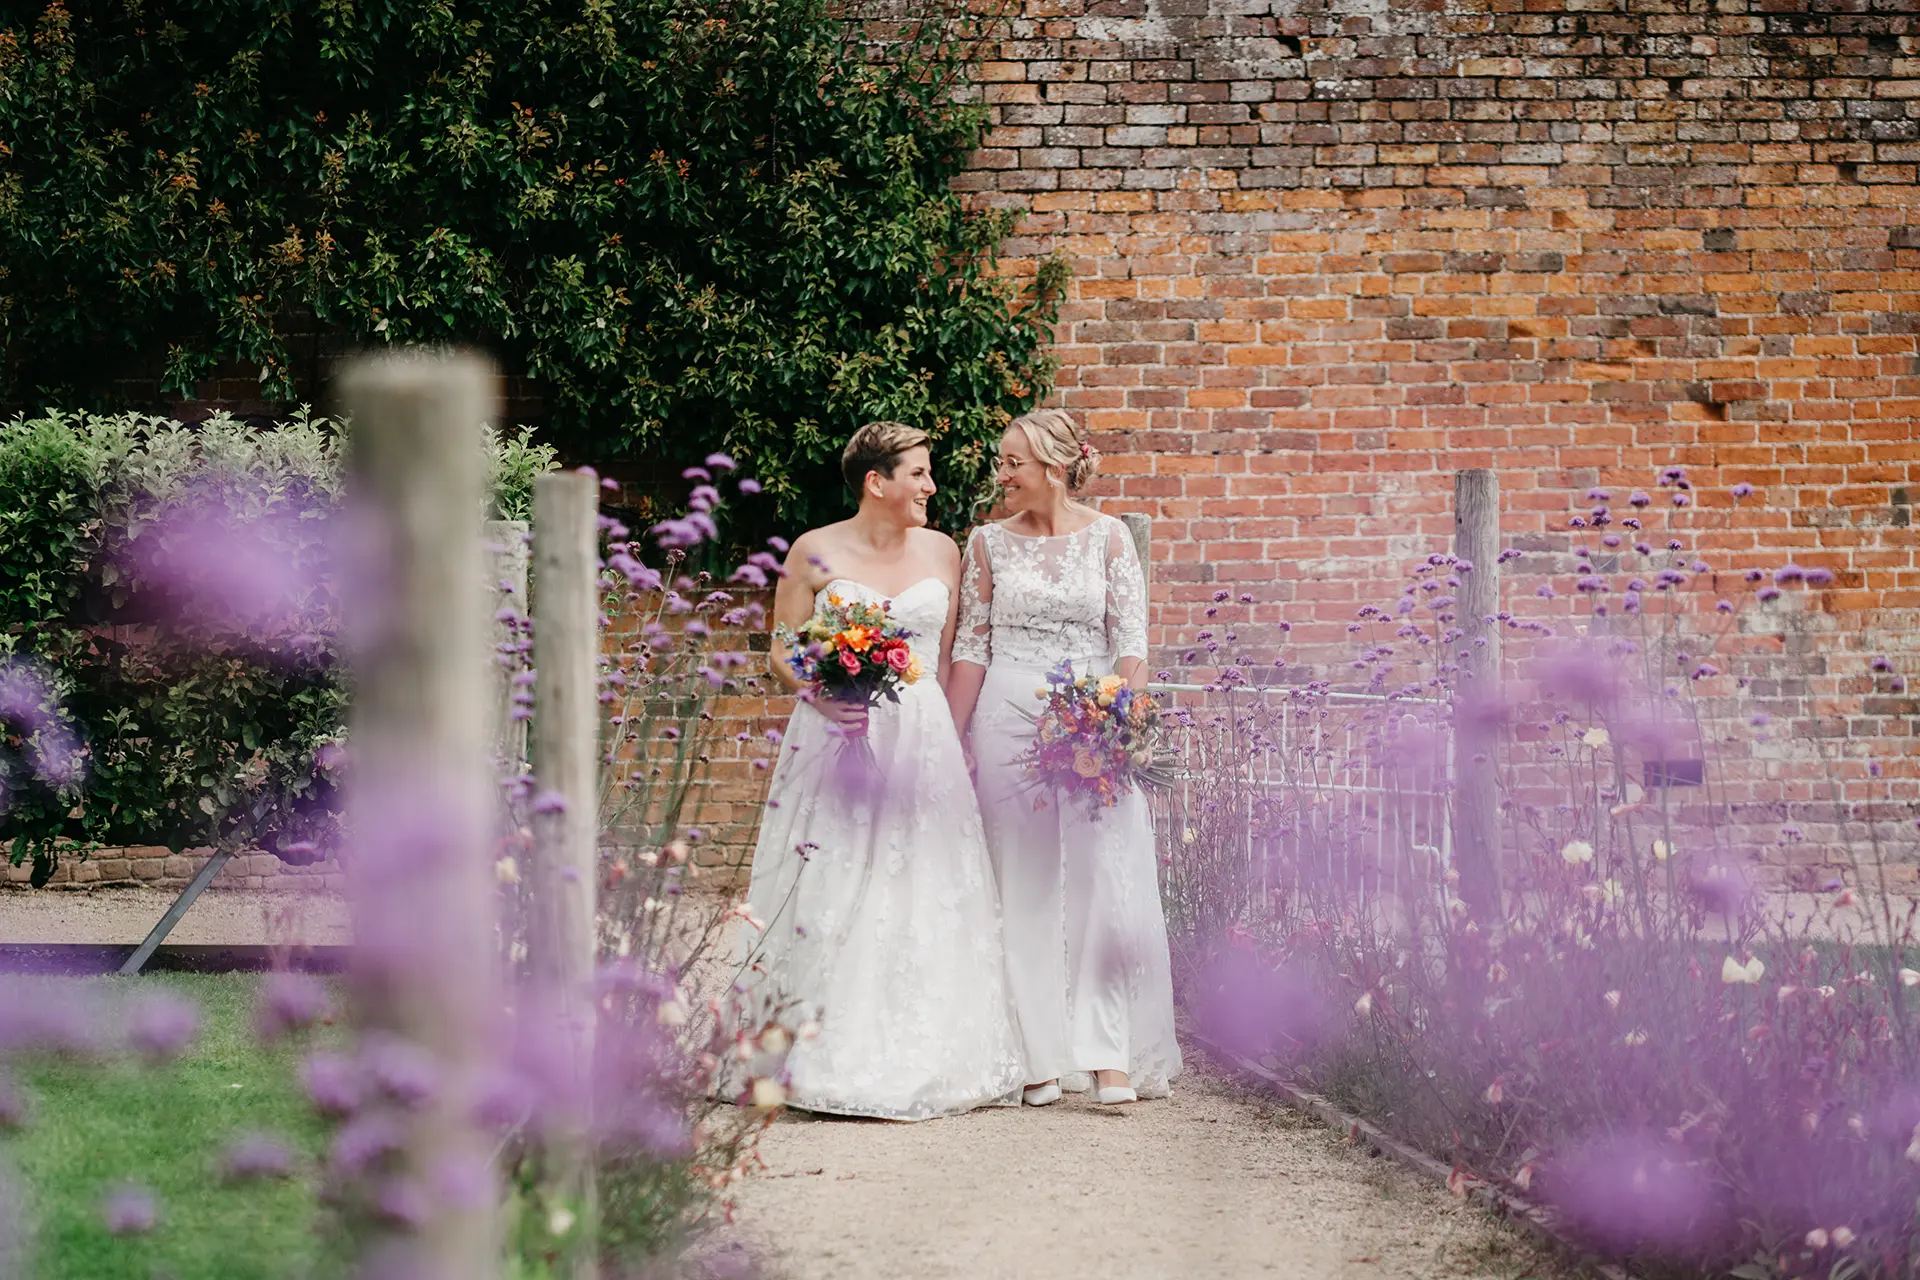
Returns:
(1080,895)
(878,919)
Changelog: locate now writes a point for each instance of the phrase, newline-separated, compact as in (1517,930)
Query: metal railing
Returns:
(1310,809)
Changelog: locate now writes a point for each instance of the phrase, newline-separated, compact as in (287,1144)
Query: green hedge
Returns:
(201,716)
(697,225)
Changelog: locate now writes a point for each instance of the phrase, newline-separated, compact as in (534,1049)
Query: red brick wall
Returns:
(1327,255)
(1327,252)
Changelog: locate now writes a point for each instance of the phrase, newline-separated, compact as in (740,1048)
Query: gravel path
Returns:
(1214,1182)
(238,917)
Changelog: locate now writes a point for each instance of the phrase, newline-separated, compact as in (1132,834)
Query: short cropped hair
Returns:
(877,447)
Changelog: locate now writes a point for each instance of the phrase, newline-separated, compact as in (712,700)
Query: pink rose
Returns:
(899,658)
(851,663)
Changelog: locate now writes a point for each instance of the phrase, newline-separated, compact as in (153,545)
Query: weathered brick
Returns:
(1307,291)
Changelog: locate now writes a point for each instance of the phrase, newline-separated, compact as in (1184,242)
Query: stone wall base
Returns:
(160,867)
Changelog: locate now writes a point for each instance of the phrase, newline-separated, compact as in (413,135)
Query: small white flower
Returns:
(671,1013)
(1613,1001)
(1910,977)
(506,871)
(768,1094)
(1857,1125)
(1577,851)
(560,1221)
(1733,972)
(1595,737)
(1842,1237)
(1817,1238)
(1524,1178)
(1635,1037)
(1662,851)
(1189,836)
(1494,1094)
(776,1039)
(1826,993)
(1364,1005)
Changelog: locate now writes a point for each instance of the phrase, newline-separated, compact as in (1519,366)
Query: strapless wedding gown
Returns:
(881,920)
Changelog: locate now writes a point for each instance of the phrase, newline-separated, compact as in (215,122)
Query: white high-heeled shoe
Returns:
(1114,1095)
(1041,1095)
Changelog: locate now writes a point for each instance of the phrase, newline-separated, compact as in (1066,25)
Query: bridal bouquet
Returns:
(854,652)
(1095,737)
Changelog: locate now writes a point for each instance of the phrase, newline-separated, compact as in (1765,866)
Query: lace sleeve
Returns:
(1126,597)
(973,634)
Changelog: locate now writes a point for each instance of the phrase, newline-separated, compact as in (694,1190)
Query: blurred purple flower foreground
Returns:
(1688,1021)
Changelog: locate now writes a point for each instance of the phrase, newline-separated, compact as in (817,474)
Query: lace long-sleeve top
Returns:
(1032,602)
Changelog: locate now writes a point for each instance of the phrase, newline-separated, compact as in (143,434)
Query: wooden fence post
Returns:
(1476,833)
(420,870)
(566,768)
(507,564)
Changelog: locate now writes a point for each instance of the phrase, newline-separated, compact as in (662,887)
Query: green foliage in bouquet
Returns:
(698,225)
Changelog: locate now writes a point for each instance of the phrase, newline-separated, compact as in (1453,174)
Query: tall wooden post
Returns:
(1476,833)
(566,768)
(420,873)
(506,542)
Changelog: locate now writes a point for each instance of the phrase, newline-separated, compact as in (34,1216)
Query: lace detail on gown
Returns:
(1034,601)
(881,920)
(1080,896)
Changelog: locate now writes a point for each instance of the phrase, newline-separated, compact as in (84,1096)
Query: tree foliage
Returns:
(172,593)
(697,224)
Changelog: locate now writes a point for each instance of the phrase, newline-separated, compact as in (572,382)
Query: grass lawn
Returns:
(94,1126)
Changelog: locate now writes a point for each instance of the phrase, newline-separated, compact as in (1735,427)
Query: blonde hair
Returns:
(1058,441)
(877,447)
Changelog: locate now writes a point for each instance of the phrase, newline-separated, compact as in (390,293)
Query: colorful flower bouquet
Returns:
(853,652)
(1095,737)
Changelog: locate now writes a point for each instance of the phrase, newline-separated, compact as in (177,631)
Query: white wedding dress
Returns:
(881,923)
(1080,894)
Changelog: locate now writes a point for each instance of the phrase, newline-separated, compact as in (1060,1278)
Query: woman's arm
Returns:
(972,633)
(793,606)
(1126,608)
(950,565)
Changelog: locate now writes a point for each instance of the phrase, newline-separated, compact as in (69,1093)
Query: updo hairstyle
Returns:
(1058,441)
(877,447)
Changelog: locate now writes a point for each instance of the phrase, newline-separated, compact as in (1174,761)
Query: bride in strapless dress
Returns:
(880,919)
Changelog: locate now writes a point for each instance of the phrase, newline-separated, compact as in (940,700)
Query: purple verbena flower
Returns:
(256,1156)
(289,1002)
(130,1210)
(161,1026)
